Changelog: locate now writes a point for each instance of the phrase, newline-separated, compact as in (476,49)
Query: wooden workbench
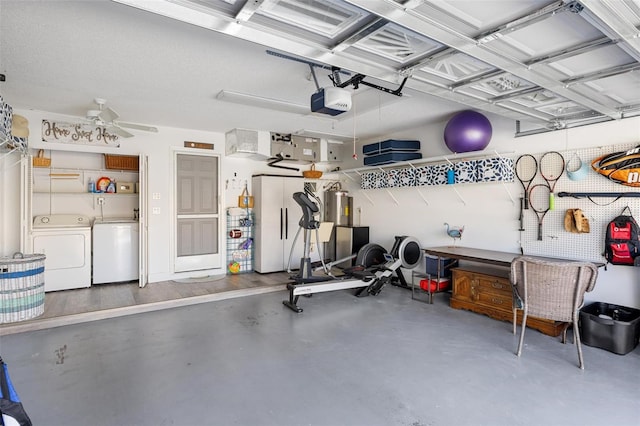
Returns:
(486,288)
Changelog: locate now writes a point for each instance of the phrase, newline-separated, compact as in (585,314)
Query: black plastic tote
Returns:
(11,410)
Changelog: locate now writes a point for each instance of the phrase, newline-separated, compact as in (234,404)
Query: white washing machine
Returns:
(66,241)
(115,250)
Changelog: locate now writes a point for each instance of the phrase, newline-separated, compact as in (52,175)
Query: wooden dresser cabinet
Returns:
(487,290)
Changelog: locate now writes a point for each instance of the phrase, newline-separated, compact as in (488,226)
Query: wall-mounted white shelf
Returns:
(404,174)
(93,194)
(40,170)
(8,146)
(74,181)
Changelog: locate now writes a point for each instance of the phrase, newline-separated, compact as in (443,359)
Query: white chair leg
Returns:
(515,317)
(524,326)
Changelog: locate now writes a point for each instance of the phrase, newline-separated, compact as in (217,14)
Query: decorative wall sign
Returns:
(80,134)
(198,145)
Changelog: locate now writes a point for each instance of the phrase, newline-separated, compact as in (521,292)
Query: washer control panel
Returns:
(61,221)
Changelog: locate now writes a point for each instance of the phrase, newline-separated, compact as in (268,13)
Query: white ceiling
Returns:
(549,63)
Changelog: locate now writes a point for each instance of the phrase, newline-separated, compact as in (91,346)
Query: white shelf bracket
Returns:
(504,185)
(417,187)
(349,176)
(458,194)
(367,197)
(422,196)
(392,197)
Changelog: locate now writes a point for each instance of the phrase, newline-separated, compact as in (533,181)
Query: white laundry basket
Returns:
(21,287)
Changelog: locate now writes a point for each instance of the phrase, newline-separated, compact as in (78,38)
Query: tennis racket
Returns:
(551,168)
(526,170)
(539,198)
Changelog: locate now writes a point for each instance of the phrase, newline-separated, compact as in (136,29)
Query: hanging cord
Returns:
(355,155)
(50,190)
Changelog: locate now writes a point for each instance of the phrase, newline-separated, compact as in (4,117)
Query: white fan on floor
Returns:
(108,118)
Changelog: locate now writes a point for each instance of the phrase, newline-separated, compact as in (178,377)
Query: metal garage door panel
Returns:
(472,16)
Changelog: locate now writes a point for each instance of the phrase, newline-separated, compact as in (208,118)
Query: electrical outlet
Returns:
(155,210)
(101,201)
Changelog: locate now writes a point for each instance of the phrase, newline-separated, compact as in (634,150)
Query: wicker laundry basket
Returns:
(21,287)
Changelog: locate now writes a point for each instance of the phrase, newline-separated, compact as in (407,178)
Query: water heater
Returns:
(338,208)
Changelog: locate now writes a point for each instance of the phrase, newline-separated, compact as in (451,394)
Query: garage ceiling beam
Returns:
(615,19)
(424,25)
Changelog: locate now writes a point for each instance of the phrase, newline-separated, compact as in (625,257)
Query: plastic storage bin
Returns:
(434,285)
(390,146)
(446,264)
(391,157)
(611,327)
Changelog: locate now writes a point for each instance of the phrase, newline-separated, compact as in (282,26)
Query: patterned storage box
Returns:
(438,174)
(421,175)
(498,169)
(407,177)
(21,287)
(393,178)
(367,181)
(6,117)
(400,178)
(374,180)
(466,171)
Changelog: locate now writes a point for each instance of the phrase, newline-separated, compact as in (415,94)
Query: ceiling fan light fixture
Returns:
(93,113)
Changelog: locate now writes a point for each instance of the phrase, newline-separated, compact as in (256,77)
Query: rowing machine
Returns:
(407,253)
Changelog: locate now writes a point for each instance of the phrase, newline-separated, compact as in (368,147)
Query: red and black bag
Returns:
(622,240)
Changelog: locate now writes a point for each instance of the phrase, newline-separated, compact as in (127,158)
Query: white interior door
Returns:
(197,212)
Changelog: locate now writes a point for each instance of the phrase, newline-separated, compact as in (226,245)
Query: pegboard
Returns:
(556,242)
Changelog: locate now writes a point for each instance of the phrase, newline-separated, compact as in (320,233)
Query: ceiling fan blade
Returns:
(119,131)
(137,126)
(108,115)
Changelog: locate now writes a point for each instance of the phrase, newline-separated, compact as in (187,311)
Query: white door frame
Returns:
(143,223)
(174,212)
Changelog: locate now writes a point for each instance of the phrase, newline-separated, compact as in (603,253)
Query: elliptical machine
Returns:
(376,270)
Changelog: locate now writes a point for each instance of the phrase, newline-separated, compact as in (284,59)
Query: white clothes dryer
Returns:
(66,241)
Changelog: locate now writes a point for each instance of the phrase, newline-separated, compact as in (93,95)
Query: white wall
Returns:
(159,147)
(487,210)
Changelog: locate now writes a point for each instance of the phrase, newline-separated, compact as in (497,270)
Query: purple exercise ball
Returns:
(467,131)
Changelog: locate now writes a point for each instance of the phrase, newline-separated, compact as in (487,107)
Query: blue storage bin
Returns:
(446,264)
(391,145)
(378,160)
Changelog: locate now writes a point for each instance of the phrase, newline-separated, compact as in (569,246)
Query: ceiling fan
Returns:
(108,118)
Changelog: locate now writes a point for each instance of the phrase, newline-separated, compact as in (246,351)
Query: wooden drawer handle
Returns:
(497,301)
(496,284)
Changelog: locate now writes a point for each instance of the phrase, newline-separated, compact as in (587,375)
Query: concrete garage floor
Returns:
(384,360)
